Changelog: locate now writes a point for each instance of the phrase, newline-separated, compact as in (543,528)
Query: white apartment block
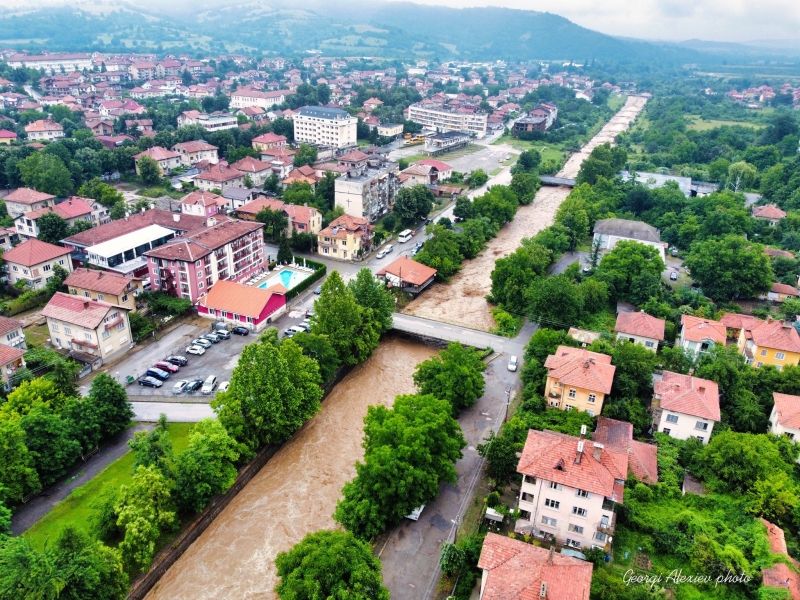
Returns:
(52,63)
(443,120)
(244,98)
(322,126)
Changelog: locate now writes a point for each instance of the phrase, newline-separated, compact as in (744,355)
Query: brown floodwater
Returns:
(296,492)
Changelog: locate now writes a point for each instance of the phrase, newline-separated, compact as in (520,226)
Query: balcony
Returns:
(114,322)
(607,526)
(84,343)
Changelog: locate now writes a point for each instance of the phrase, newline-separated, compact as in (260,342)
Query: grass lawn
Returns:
(495,171)
(615,102)
(698,124)
(78,507)
(36,335)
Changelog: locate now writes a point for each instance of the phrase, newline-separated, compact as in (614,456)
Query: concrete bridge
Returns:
(557,181)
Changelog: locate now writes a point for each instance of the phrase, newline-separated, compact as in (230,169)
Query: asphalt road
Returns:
(454,333)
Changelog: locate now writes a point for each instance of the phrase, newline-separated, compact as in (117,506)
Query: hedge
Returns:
(319,272)
(21,304)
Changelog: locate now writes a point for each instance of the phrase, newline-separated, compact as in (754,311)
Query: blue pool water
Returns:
(286,277)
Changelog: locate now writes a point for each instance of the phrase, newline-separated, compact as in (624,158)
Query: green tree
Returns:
(741,176)
(527,162)
(635,364)
(46,173)
(305,155)
(330,564)
(477,178)
(56,284)
(371,293)
(89,568)
(111,403)
(28,574)
(463,208)
(413,204)
(325,191)
(500,454)
(632,271)
(284,252)
(49,442)
(153,448)
(105,194)
(248,181)
(573,216)
(148,169)
(454,375)
(731,267)
(555,301)
(18,475)
(52,228)
(513,274)
(319,348)
(275,223)
(525,185)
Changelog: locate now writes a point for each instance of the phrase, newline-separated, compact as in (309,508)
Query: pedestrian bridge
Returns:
(557,181)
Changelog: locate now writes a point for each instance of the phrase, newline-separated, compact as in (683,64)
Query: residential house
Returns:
(24,200)
(166,159)
(249,97)
(219,177)
(390,130)
(769,212)
(785,416)
(258,171)
(345,238)
(100,126)
(12,334)
(249,306)
(305,174)
(783,574)
(88,326)
(237,197)
(194,152)
(608,232)
(642,457)
(578,379)
(11,360)
(33,261)
(7,137)
(768,343)
(44,130)
(203,204)
(302,219)
(640,328)
(253,113)
(71,210)
(698,335)
(685,406)
(779,292)
(323,126)
(268,141)
(407,275)
(105,286)
(372,104)
(570,488)
(515,569)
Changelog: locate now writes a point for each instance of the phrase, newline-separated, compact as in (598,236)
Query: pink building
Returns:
(238,304)
(188,266)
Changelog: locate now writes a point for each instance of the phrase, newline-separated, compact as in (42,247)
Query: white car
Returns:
(385,251)
(223,387)
(198,350)
(416,513)
(201,342)
(512,363)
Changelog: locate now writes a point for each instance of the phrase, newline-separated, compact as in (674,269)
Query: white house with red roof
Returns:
(302,219)
(685,406)
(570,487)
(259,171)
(699,335)
(780,292)
(219,177)
(640,328)
(203,204)
(195,152)
(23,200)
(33,262)
(268,141)
(166,159)
(785,416)
(44,130)
(407,275)
(769,212)
(12,334)
(71,210)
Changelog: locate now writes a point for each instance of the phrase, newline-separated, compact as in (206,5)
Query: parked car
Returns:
(209,384)
(220,326)
(310,312)
(202,342)
(240,330)
(157,373)
(148,381)
(181,361)
(180,387)
(318,290)
(167,366)
(293,331)
(223,387)
(193,385)
(211,337)
(512,363)
(223,334)
(674,252)
(385,251)
(673,276)
(416,513)
(414,252)
(198,350)
(305,325)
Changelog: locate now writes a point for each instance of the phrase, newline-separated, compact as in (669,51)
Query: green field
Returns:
(77,508)
(698,124)
(615,102)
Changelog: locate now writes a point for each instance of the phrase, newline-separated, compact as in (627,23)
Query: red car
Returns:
(169,367)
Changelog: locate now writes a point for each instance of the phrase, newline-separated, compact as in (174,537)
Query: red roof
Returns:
(257,205)
(33,252)
(640,324)
(250,165)
(27,196)
(6,134)
(782,288)
(8,325)
(688,395)
(519,571)
(787,409)
(409,271)
(768,211)
(203,242)
(136,221)
(440,166)
(9,354)
(581,368)
(696,329)
(247,300)
(618,435)
(204,198)
(104,282)
(777,253)
(78,311)
(344,225)
(219,174)
(269,138)
(773,334)
(43,125)
(157,153)
(69,209)
(196,146)
(353,156)
(780,575)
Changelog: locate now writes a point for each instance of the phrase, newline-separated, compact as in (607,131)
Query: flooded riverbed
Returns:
(462,301)
(296,492)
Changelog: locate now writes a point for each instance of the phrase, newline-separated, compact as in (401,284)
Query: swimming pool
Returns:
(287,277)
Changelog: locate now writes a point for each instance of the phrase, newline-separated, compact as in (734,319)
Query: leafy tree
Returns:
(441,252)
(741,176)
(89,568)
(500,454)
(319,348)
(52,228)
(499,204)
(153,448)
(731,267)
(48,439)
(555,300)
(56,284)
(371,293)
(330,564)
(527,162)
(451,558)
(463,208)
(149,171)
(632,271)
(477,178)
(325,191)
(603,162)
(306,155)
(635,364)
(18,475)
(513,274)
(164,304)
(284,252)
(573,217)
(105,194)
(454,375)
(525,186)
(275,223)
(29,393)
(26,573)
(46,173)
(413,204)
(111,403)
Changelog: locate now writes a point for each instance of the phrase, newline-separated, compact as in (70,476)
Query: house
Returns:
(372,104)
(785,416)
(390,130)
(88,326)
(514,569)
(250,306)
(698,335)
(578,379)
(237,197)
(769,212)
(268,141)
(304,174)
(71,210)
(44,130)
(570,488)
(100,126)
(203,204)
(33,261)
(780,575)
(685,406)
(323,126)
(11,334)
(345,238)
(258,171)
(249,97)
(189,265)
(779,292)
(302,219)
(216,121)
(11,360)
(7,137)
(192,153)
(768,343)
(23,200)
(219,177)
(407,275)
(166,159)
(642,457)
(607,232)
(105,286)
(640,328)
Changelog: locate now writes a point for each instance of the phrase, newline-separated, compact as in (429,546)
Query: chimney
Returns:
(579,454)
(550,554)
(85,305)
(597,452)
(176,217)
(583,431)
(702,389)
(143,209)
(543,588)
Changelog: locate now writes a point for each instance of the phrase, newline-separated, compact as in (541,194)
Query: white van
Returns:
(404,236)
(209,384)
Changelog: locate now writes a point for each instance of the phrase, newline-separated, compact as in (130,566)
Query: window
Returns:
(120,326)
(672,418)
(552,503)
(583,494)
(100,297)
(67,330)
(780,355)
(592,398)
(549,522)
(14,267)
(106,334)
(54,326)
(568,407)
(602,537)
(46,268)
(701,425)
(701,438)
(572,393)
(649,344)
(759,364)
(590,413)
(575,529)
(526,497)
(580,512)
(530,479)
(555,486)
(61,262)
(763,353)
(666,430)
(125,298)
(87,336)
(573,543)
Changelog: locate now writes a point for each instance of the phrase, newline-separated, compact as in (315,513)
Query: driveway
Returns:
(567,259)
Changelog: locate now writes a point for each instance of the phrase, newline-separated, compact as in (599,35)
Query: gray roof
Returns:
(634,230)
(323,112)
(233,193)
(654,180)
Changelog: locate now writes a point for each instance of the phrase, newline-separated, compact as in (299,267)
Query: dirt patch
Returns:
(462,301)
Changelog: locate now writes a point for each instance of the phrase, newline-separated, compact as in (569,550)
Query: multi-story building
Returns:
(445,119)
(684,406)
(71,210)
(194,152)
(105,286)
(345,238)
(785,416)
(640,328)
(444,142)
(578,379)
(33,262)
(88,326)
(268,141)
(143,71)
(247,97)
(51,63)
(219,177)
(189,265)
(44,130)
(699,335)
(768,342)
(259,171)
(203,204)
(300,219)
(323,126)
(609,232)
(11,360)
(570,488)
(24,200)
(216,121)
(12,334)
(166,159)
(369,186)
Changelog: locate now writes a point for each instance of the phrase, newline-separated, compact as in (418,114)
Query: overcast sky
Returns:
(678,20)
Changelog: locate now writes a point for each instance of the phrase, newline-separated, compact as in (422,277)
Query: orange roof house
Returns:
(685,406)
(769,212)
(407,275)
(244,305)
(618,435)
(769,343)
(780,575)
(578,379)
(640,328)
(698,335)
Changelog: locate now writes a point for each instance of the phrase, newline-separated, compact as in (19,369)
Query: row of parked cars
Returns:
(305,326)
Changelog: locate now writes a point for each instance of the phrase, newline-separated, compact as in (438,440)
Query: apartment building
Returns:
(88,326)
(344,238)
(195,152)
(323,126)
(685,406)
(51,63)
(33,261)
(189,265)
(578,379)
(216,121)
(369,186)
(143,71)
(105,286)
(24,200)
(44,130)
(247,97)
(444,119)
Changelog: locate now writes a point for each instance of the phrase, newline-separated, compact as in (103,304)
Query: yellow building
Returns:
(768,343)
(344,238)
(104,286)
(578,379)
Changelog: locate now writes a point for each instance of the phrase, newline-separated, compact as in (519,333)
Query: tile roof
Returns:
(257,205)
(782,288)
(410,271)
(9,354)
(136,221)
(772,334)
(519,571)
(300,214)
(618,435)
(250,165)
(203,198)
(688,395)
(787,409)
(780,575)
(353,156)
(157,153)
(247,300)
(27,196)
(737,320)
(696,329)
(641,324)
(43,125)
(6,134)
(219,174)
(552,456)
(197,244)
(196,146)
(7,325)
(269,138)
(440,166)
(104,282)
(344,225)
(78,311)
(778,253)
(69,209)
(33,252)
(581,368)
(768,211)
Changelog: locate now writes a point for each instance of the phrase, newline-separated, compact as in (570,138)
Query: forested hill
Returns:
(396,29)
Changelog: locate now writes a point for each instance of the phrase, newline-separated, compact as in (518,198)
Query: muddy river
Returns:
(462,301)
(296,492)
